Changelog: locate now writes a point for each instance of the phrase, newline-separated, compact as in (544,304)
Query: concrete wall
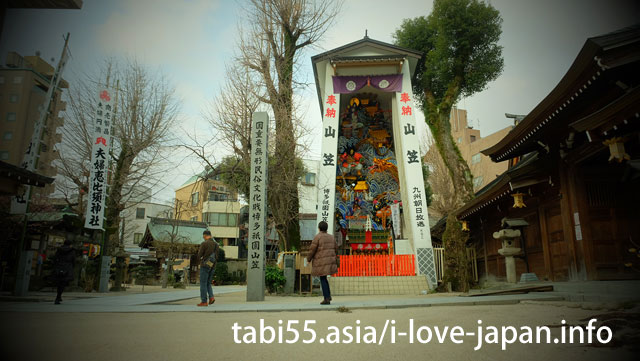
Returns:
(308,193)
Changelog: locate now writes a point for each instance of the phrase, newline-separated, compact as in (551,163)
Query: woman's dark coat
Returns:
(65,259)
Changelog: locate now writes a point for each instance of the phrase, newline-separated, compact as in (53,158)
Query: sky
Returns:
(190,42)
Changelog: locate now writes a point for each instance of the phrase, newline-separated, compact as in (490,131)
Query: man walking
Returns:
(207,258)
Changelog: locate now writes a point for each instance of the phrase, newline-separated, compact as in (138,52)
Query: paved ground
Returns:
(208,336)
(232,299)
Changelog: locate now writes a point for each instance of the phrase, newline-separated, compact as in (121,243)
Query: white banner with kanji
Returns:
(413,181)
(101,143)
(329,156)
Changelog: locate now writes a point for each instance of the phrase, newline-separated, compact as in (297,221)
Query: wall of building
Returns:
(308,191)
(23,85)
(134,227)
(225,229)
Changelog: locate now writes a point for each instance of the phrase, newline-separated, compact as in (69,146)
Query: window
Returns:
(220,219)
(194,218)
(13,98)
(17,80)
(477,182)
(7,136)
(476,158)
(139,213)
(11,117)
(4,155)
(309,179)
(194,198)
(137,238)
(473,138)
(459,139)
(218,197)
(232,219)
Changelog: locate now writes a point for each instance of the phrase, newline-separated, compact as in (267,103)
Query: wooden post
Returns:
(542,216)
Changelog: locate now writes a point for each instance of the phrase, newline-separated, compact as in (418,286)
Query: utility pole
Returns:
(20,203)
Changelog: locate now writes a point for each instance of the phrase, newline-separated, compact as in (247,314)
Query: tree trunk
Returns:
(458,168)
(167,272)
(112,215)
(286,201)
(454,239)
(456,260)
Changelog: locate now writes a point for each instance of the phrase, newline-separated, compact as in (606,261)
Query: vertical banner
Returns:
(413,182)
(257,207)
(101,143)
(329,157)
(395,218)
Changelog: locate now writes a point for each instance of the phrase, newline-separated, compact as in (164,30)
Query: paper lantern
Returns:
(518,200)
(616,149)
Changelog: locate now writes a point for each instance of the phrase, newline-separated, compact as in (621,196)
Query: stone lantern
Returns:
(508,250)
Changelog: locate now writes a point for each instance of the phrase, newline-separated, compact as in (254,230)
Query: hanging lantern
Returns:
(465,226)
(616,149)
(518,200)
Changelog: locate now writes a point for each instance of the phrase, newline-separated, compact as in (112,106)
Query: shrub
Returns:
(143,274)
(274,279)
(221,274)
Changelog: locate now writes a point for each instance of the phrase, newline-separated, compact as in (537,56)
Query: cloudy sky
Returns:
(190,41)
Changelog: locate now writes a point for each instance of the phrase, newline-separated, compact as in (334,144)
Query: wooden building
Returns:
(575,161)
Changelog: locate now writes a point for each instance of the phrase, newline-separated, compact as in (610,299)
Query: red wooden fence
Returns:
(376,265)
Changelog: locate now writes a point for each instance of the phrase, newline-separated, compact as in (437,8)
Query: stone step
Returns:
(392,285)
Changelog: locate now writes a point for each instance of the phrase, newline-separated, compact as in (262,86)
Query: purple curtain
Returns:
(351,84)
(387,83)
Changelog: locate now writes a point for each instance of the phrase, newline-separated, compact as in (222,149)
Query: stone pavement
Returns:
(169,302)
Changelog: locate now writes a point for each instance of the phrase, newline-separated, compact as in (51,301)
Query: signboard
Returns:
(101,143)
(413,182)
(257,207)
(395,218)
(329,157)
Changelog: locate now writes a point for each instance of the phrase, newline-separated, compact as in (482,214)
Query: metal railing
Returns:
(438,255)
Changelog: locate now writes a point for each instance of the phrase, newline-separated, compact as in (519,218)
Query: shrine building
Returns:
(568,206)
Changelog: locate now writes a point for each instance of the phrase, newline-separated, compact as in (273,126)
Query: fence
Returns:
(376,265)
(438,255)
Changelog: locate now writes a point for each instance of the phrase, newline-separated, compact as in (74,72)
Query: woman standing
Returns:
(323,253)
(65,260)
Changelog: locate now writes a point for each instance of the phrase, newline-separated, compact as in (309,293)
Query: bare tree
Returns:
(144,115)
(274,36)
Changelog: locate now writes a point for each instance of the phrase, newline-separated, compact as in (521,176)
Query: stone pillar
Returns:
(257,207)
(508,250)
